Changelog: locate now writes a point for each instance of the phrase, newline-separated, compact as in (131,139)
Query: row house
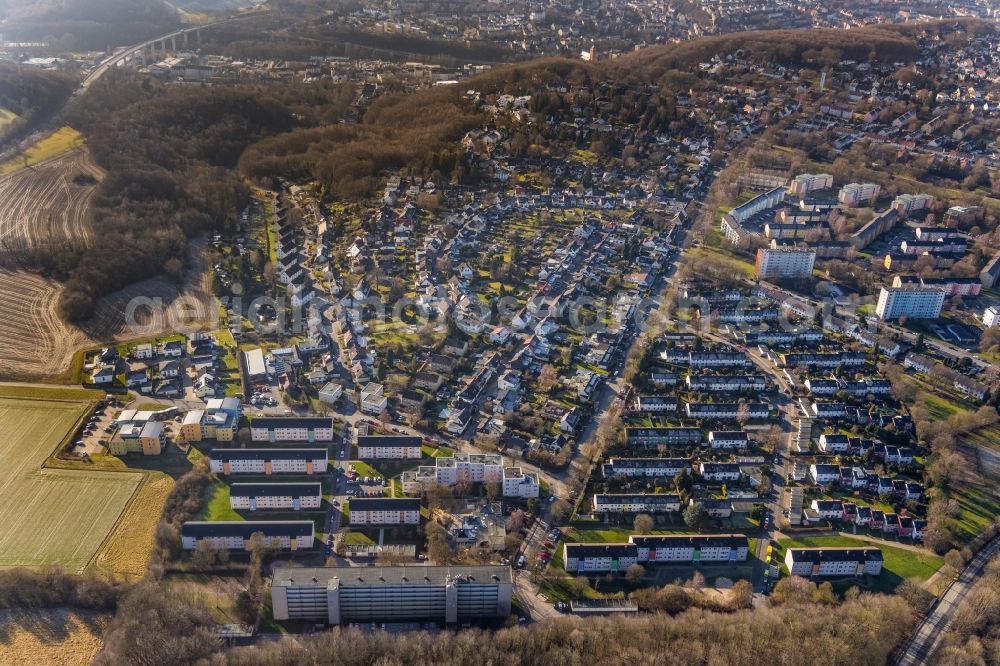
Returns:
(637,503)
(725,383)
(645,467)
(731,411)
(718,360)
(828,509)
(651,404)
(823,474)
(665,436)
(828,410)
(719,472)
(728,439)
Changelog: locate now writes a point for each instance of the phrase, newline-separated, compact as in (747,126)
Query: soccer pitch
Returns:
(52,516)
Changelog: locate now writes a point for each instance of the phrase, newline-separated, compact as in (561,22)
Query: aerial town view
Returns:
(526,332)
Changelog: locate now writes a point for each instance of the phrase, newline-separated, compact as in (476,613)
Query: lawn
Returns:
(736,265)
(6,118)
(898,564)
(58,142)
(216,504)
(363,468)
(53,516)
(436,451)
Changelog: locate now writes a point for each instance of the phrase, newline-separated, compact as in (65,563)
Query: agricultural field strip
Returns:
(52,516)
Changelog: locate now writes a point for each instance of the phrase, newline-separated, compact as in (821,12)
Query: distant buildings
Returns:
(882,222)
(855,194)
(908,204)
(912,303)
(342,595)
(784,263)
(805,183)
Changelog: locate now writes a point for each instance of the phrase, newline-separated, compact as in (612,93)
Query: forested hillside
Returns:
(169,153)
(88,24)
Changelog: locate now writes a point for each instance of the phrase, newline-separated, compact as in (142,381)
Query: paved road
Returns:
(927,637)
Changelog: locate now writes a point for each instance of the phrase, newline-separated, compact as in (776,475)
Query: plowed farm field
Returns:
(43,204)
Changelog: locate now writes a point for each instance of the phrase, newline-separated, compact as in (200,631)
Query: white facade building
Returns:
(784,263)
(909,302)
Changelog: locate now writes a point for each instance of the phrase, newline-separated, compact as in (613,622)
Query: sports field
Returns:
(52,516)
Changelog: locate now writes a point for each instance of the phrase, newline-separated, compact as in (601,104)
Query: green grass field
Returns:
(898,564)
(6,119)
(58,142)
(52,516)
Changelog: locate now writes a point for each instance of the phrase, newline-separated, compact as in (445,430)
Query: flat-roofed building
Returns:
(342,595)
(912,303)
(146,438)
(784,263)
(233,535)
(275,496)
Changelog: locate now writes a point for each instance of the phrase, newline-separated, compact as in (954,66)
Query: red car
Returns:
(548,544)
(544,557)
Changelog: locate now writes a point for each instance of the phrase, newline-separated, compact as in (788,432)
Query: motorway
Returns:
(927,637)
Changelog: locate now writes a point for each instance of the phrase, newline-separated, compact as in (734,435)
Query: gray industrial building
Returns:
(341,595)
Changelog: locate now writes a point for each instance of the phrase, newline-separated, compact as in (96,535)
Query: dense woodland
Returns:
(152,622)
(32,94)
(169,153)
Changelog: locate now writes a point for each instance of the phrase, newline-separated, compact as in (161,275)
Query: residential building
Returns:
(809,562)
(725,383)
(824,473)
(232,535)
(146,438)
(384,511)
(730,410)
(719,472)
(275,496)
(292,429)
(389,447)
(853,195)
(728,439)
(991,316)
(646,467)
(400,594)
(689,548)
(912,303)
(268,461)
(599,557)
(520,484)
(667,436)
(784,263)
(330,393)
(637,503)
(805,183)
